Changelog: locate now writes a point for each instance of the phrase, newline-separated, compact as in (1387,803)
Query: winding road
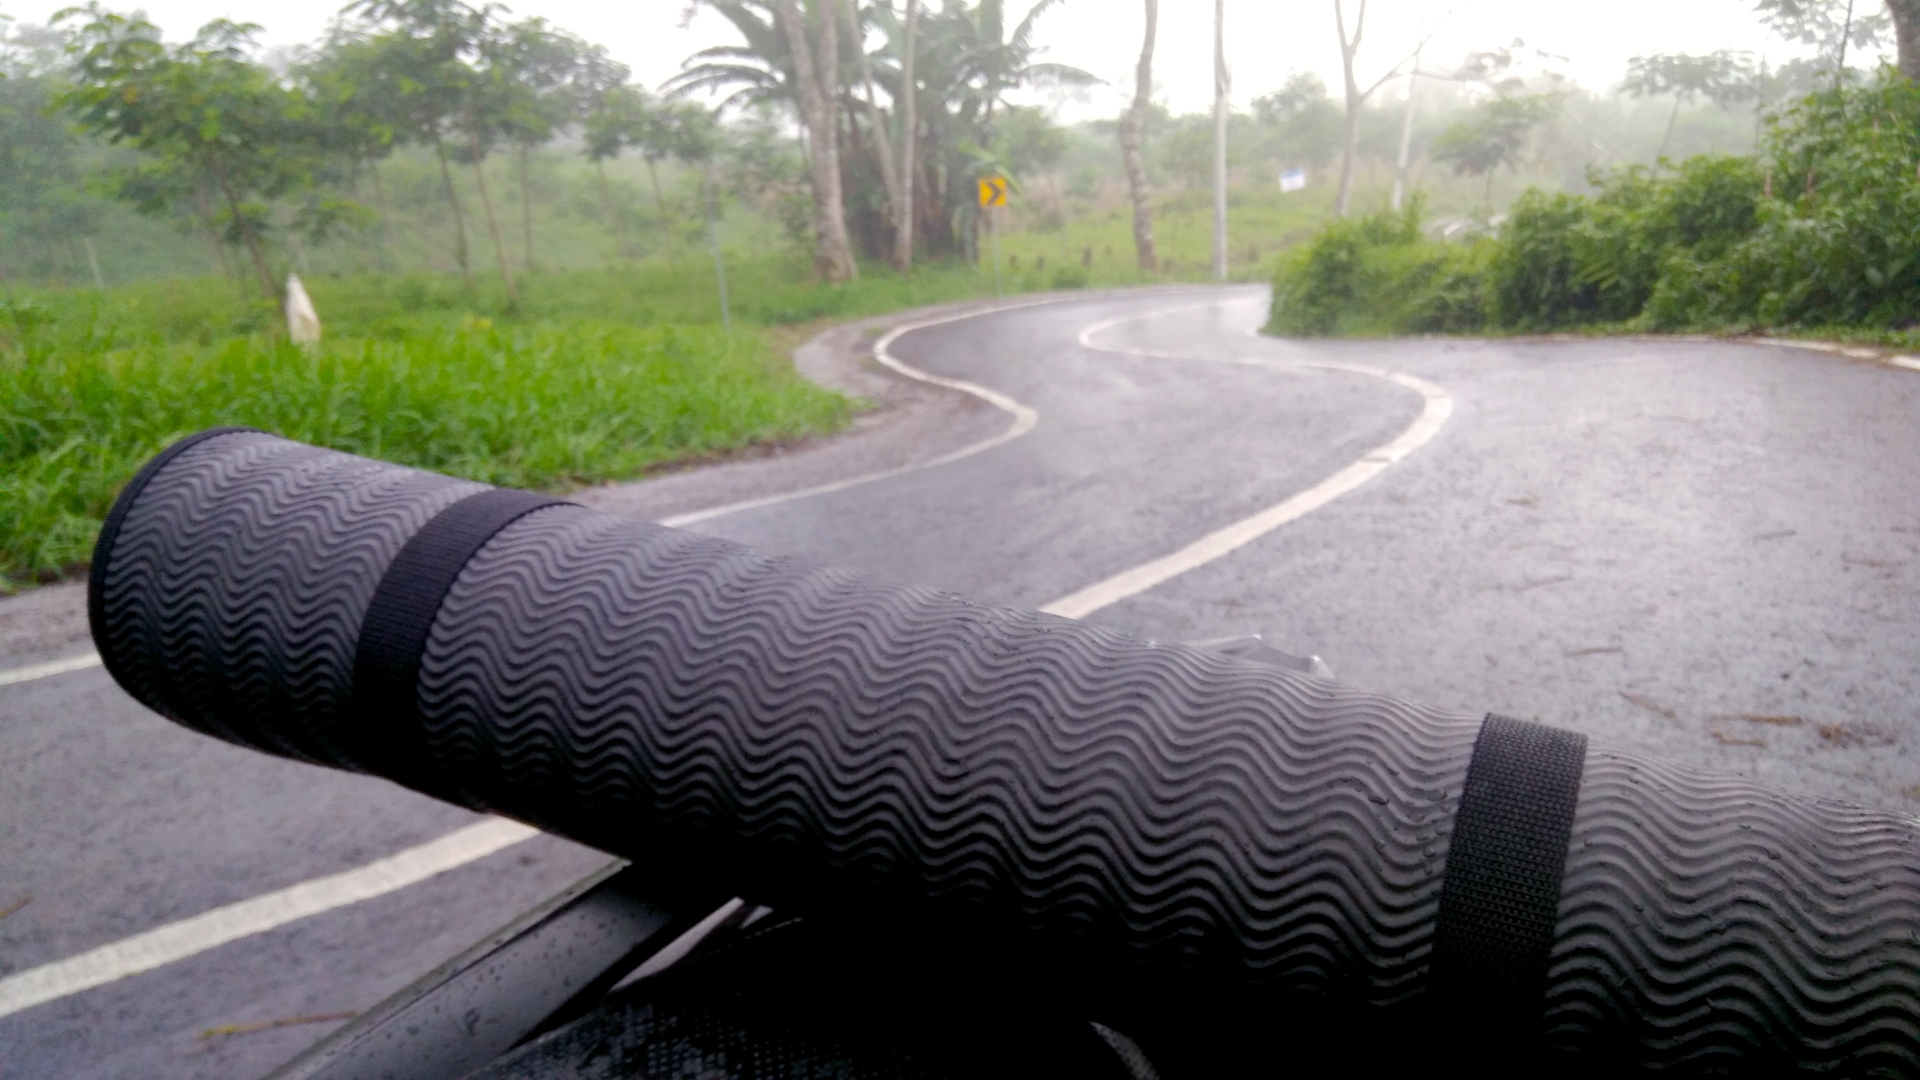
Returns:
(1707,551)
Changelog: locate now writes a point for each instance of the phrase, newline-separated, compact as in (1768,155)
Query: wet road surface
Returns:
(1706,551)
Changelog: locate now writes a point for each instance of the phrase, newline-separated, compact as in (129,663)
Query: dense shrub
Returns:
(1380,274)
(1839,243)
(1821,230)
(1571,260)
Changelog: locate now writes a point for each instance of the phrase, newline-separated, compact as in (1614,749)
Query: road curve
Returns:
(1705,551)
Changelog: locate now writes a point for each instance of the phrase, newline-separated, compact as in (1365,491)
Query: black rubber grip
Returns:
(393,633)
(110,529)
(1135,823)
(1501,895)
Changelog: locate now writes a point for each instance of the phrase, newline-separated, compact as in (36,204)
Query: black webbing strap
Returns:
(1500,897)
(393,636)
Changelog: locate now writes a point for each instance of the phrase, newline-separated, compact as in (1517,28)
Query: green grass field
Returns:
(597,375)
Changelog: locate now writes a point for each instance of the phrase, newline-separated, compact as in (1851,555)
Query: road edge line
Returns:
(30,672)
(1139,578)
(1024,416)
(187,937)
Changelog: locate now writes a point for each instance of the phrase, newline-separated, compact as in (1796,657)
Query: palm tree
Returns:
(993,63)
(759,72)
(989,63)
(792,57)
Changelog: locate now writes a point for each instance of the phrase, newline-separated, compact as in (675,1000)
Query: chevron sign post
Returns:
(993,195)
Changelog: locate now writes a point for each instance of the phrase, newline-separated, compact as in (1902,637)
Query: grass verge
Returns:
(541,407)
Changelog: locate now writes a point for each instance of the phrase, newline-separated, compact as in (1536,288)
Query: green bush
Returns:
(1839,244)
(1571,260)
(1822,231)
(1380,274)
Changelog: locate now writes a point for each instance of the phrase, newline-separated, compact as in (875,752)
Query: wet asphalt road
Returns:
(1709,552)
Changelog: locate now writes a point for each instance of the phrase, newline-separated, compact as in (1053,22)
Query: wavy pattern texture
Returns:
(812,737)
(1164,817)
(1710,924)
(235,588)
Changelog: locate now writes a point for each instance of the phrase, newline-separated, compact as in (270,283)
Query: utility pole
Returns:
(1220,140)
(1406,131)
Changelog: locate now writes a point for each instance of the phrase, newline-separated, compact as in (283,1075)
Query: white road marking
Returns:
(1024,417)
(51,667)
(1138,579)
(1855,352)
(179,940)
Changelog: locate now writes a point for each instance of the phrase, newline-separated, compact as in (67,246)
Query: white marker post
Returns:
(303,323)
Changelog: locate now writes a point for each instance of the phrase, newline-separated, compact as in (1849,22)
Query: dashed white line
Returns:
(51,667)
(179,940)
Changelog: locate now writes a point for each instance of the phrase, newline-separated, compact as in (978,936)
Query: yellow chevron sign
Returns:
(993,191)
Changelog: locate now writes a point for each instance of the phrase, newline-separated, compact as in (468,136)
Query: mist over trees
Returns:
(438,134)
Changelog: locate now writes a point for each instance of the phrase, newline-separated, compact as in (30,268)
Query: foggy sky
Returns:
(1266,38)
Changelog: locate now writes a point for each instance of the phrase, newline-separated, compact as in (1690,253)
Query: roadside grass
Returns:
(546,406)
(595,375)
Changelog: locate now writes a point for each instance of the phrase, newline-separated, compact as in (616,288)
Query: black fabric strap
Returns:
(1500,897)
(393,636)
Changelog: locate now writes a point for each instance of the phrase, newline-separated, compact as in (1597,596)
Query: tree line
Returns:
(245,152)
(900,107)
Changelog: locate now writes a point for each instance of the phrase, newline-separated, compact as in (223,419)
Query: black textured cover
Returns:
(1501,894)
(117,513)
(393,632)
(1137,819)
(233,591)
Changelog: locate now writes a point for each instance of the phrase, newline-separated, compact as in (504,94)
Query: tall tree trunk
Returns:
(526,211)
(1349,47)
(909,139)
(1906,35)
(1130,131)
(93,262)
(493,223)
(621,247)
(386,217)
(890,179)
(247,235)
(818,77)
(1406,135)
(459,219)
(653,174)
(216,251)
(1668,137)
